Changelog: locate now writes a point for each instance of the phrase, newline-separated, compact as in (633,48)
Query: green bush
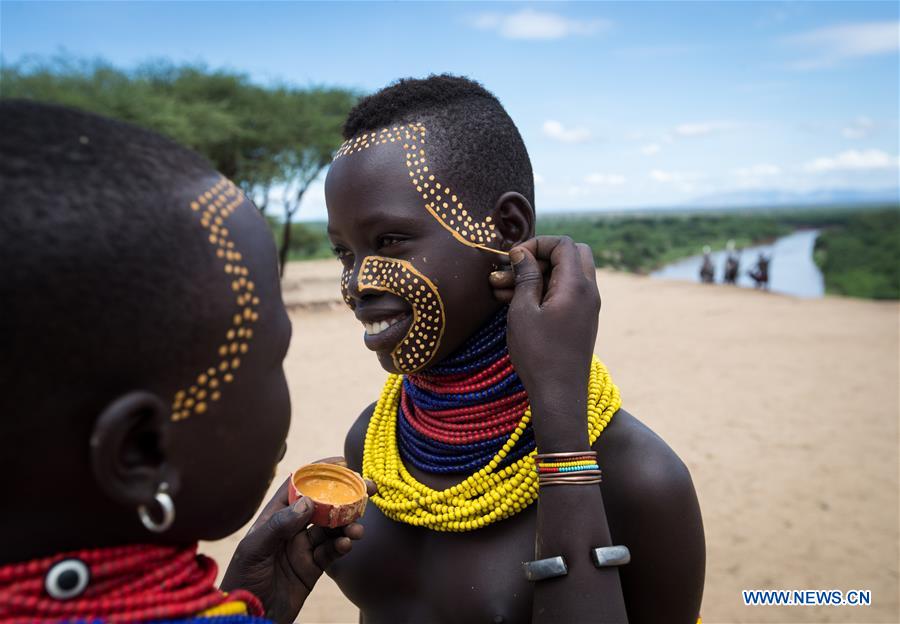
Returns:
(861,257)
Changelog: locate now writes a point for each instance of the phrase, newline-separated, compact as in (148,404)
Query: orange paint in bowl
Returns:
(339,493)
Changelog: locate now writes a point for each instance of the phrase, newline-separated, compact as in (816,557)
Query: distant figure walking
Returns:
(707,270)
(760,272)
(732,264)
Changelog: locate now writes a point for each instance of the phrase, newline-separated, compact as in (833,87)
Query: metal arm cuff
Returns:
(610,556)
(542,569)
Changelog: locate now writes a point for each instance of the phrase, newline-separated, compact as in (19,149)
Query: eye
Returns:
(389,240)
(341,253)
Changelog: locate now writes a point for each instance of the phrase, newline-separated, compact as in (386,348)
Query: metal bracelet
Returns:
(565,455)
(551,483)
(608,556)
(596,481)
(543,569)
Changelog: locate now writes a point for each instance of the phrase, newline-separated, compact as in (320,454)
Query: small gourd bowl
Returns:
(339,494)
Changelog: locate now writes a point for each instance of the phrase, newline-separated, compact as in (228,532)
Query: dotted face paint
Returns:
(440,201)
(399,277)
(214,206)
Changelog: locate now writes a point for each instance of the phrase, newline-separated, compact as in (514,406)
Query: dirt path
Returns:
(786,412)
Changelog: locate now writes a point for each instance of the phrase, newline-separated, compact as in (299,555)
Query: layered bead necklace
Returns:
(458,415)
(468,414)
(122,584)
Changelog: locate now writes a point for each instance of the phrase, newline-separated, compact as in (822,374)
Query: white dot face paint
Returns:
(423,338)
(443,203)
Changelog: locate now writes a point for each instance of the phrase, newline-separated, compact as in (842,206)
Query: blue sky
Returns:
(621,104)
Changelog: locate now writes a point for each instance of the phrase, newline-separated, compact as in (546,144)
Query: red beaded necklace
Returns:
(121,583)
(467,424)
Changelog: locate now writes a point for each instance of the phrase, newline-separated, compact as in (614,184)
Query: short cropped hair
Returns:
(478,147)
(103,274)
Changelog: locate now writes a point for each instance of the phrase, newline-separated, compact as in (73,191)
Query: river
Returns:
(792,270)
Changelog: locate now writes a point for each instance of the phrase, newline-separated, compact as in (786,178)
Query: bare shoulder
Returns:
(356,439)
(652,508)
(642,460)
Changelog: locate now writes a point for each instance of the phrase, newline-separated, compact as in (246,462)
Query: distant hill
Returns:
(775,198)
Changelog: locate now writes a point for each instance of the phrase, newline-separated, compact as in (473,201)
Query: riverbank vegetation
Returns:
(858,250)
(861,257)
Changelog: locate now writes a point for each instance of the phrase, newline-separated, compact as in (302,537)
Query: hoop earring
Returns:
(166,504)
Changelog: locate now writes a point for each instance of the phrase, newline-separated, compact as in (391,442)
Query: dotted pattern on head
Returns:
(214,206)
(399,277)
(443,204)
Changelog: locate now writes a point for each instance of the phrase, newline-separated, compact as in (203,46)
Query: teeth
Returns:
(376,328)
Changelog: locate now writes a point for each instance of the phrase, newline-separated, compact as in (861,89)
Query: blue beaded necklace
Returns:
(457,415)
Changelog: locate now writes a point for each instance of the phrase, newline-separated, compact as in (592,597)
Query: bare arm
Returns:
(658,516)
(552,327)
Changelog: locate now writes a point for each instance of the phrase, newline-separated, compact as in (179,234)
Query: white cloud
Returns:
(829,46)
(555,130)
(659,175)
(538,25)
(651,149)
(702,128)
(860,128)
(683,181)
(853,160)
(605,179)
(538,179)
(757,171)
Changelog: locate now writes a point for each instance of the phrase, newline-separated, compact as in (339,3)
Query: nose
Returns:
(350,283)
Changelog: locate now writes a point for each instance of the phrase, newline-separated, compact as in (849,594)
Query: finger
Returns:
(502,280)
(550,251)
(587,261)
(281,527)
(541,247)
(504,296)
(329,552)
(278,502)
(354,531)
(317,535)
(529,281)
(567,270)
(505,279)
(371,488)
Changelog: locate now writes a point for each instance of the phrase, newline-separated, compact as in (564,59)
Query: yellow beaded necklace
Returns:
(485,497)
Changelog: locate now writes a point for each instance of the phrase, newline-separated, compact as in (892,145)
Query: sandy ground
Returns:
(786,412)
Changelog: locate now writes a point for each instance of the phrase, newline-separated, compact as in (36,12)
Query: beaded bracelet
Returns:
(577,468)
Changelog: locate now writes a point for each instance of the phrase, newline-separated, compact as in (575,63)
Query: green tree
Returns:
(310,149)
(262,138)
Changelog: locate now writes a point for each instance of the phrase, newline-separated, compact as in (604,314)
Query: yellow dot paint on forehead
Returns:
(423,338)
(440,200)
(215,205)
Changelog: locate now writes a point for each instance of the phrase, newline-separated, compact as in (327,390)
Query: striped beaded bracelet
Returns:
(578,468)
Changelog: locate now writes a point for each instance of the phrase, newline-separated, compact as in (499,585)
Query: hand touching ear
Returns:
(552,327)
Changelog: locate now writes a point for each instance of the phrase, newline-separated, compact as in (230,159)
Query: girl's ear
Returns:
(513,217)
(129,449)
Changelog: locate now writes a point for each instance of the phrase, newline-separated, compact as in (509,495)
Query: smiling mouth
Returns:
(385,334)
(373,329)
